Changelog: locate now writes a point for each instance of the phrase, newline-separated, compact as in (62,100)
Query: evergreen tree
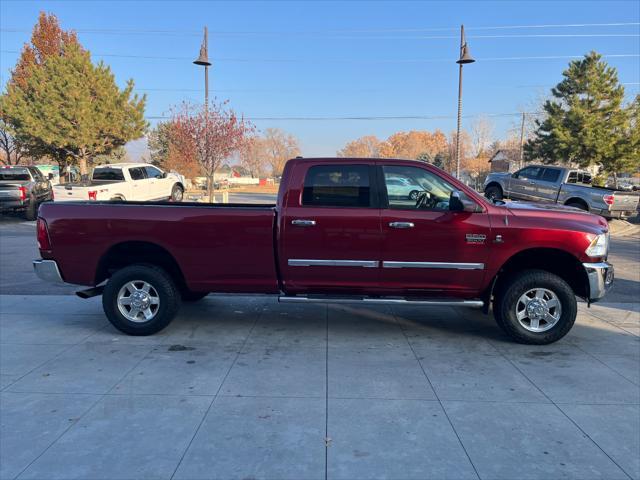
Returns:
(587,122)
(68,107)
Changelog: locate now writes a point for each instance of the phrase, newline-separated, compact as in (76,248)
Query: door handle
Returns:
(401,224)
(303,223)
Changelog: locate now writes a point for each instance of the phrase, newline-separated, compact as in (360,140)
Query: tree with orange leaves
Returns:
(47,40)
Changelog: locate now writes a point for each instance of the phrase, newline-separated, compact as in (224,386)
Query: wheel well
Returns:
(493,184)
(178,184)
(129,253)
(552,260)
(577,200)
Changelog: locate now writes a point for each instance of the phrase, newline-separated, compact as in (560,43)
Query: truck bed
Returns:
(219,247)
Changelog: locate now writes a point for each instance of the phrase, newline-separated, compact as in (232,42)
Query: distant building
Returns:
(505,160)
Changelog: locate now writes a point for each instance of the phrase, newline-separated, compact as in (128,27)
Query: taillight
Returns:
(44,242)
(93,195)
(608,199)
(23,193)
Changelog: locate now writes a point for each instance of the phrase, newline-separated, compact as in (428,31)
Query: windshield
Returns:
(15,174)
(108,173)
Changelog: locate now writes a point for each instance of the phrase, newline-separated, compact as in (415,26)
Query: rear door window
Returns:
(550,175)
(108,173)
(337,186)
(137,173)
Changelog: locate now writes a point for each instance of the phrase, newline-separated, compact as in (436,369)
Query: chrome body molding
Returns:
(300,262)
(449,265)
(379,301)
(48,271)
(600,277)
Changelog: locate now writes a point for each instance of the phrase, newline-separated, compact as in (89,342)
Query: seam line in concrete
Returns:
(206,413)
(100,398)
(424,372)
(568,417)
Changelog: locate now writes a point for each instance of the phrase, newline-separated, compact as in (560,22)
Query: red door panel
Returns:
(327,248)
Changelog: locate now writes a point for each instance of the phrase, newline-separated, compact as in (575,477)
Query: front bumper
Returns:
(48,271)
(600,277)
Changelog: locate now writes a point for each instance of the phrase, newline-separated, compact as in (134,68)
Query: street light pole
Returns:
(203,59)
(465,57)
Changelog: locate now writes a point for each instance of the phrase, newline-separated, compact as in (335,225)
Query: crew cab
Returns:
(124,182)
(566,186)
(335,235)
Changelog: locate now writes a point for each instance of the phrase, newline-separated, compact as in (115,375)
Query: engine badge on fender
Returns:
(475,238)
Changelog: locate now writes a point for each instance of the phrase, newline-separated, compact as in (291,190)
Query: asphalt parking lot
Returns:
(242,387)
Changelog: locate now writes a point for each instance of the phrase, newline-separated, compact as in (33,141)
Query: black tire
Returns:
(506,300)
(579,205)
(31,212)
(167,292)
(493,192)
(177,193)
(189,296)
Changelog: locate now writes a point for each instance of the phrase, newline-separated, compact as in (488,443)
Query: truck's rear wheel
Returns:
(535,307)
(31,212)
(140,299)
(580,205)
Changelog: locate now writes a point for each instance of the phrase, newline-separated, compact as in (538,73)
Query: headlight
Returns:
(599,246)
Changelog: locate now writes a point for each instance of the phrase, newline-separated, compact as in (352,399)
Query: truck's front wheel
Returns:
(535,307)
(140,299)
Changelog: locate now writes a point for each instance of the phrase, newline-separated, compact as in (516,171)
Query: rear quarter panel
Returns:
(218,249)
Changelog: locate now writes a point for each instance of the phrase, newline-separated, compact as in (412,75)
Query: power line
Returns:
(335,60)
(367,118)
(135,31)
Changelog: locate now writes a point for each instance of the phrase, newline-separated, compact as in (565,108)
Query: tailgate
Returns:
(10,192)
(626,202)
(63,193)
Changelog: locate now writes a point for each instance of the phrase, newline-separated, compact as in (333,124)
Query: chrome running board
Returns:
(379,301)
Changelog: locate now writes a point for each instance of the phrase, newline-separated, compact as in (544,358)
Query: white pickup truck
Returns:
(124,182)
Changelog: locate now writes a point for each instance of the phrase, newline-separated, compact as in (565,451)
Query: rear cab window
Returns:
(14,175)
(338,186)
(108,173)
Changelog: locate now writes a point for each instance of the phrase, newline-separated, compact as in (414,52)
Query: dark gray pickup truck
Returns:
(23,189)
(566,186)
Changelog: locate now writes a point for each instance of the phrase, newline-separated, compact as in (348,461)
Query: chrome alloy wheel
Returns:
(138,301)
(538,310)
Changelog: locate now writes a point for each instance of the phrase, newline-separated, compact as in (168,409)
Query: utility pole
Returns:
(522,141)
(465,57)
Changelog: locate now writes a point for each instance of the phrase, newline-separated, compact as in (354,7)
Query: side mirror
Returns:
(164,174)
(457,203)
(50,176)
(161,175)
(515,175)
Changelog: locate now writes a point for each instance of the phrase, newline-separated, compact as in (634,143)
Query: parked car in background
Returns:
(23,189)
(399,187)
(335,235)
(124,182)
(566,186)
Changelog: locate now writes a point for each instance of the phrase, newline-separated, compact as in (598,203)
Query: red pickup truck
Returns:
(375,231)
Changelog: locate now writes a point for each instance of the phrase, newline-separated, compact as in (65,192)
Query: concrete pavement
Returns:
(242,387)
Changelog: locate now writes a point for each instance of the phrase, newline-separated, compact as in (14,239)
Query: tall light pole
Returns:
(465,57)
(203,59)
